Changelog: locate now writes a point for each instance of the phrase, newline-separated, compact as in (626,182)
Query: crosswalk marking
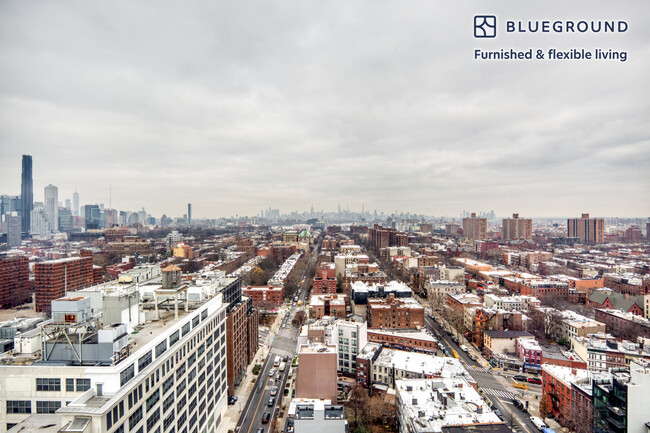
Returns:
(471,368)
(499,393)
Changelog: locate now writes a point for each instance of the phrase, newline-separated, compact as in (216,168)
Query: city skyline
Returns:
(362,104)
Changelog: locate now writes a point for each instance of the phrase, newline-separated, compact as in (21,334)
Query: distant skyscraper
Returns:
(93,216)
(40,222)
(65,220)
(26,194)
(68,204)
(52,206)
(75,203)
(13,222)
(189,214)
(589,230)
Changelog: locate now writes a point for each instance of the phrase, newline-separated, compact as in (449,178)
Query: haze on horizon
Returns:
(239,107)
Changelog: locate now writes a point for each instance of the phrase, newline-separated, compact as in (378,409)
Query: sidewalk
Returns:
(246,386)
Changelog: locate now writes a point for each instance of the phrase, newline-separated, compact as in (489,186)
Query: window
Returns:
(180,371)
(181,387)
(127,374)
(204,314)
(181,420)
(180,405)
(185,329)
(191,375)
(160,349)
(69,384)
(195,321)
(151,401)
(48,384)
(168,402)
(173,338)
(168,384)
(19,406)
(83,384)
(168,421)
(135,418)
(144,361)
(153,419)
(47,406)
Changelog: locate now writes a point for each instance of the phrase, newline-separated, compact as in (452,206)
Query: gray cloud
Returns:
(235,107)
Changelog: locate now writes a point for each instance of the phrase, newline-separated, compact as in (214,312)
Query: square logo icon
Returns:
(485,26)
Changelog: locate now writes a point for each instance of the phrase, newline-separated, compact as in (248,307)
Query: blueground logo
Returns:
(485,26)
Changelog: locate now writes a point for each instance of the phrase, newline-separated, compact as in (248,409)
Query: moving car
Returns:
(520,404)
(266,417)
(535,380)
(271,402)
(464,348)
(473,357)
(274,391)
(260,430)
(520,378)
(272,372)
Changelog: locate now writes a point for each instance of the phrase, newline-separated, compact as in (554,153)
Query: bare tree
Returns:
(358,401)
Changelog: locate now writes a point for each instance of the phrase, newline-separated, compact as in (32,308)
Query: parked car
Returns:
(454,339)
(232,399)
(473,357)
(464,348)
(538,423)
(266,417)
(520,378)
(536,380)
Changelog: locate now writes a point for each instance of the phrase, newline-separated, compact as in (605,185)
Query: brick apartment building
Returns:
(53,278)
(475,228)
(265,297)
(325,279)
(517,229)
(620,323)
(588,230)
(394,313)
(241,340)
(625,285)
(14,280)
(327,305)
(383,237)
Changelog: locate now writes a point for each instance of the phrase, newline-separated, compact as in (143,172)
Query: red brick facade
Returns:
(14,280)
(265,297)
(54,278)
(394,313)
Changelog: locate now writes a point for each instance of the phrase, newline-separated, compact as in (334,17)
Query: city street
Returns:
(495,384)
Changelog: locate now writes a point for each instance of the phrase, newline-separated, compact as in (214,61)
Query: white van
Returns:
(463,348)
(538,423)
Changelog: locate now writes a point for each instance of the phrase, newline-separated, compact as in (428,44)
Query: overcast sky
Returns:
(238,106)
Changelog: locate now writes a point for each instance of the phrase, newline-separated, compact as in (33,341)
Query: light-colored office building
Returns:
(168,375)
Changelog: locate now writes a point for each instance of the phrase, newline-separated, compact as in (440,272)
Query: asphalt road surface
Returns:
(492,384)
